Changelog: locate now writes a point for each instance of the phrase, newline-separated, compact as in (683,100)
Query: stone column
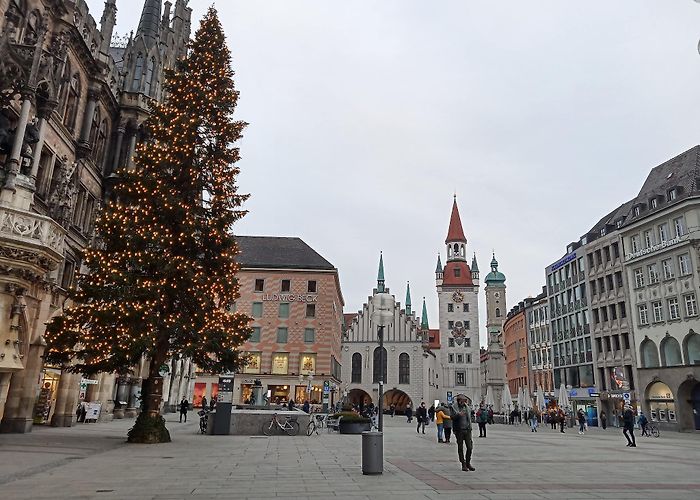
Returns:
(19,409)
(134,402)
(132,150)
(118,148)
(5,378)
(66,400)
(105,396)
(84,140)
(14,160)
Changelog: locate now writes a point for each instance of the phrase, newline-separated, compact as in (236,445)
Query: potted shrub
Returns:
(352,423)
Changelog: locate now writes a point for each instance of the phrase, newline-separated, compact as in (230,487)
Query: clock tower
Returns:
(458,295)
(494,365)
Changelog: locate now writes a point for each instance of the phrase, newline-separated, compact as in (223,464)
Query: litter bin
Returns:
(372,452)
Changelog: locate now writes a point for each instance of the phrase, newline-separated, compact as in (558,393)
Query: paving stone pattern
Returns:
(93,461)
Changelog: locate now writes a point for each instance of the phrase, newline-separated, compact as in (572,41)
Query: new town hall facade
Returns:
(422,364)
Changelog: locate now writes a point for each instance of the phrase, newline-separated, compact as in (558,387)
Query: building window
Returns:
(253,365)
(667,266)
(68,274)
(286,285)
(309,335)
(469,358)
(280,363)
(684,264)
(375,365)
(450,358)
(643,315)
(623,312)
(259,285)
(691,307)
(466,324)
(616,250)
(637,210)
(673,309)
(138,74)
(356,372)
(648,239)
(450,308)
(458,272)
(255,336)
(310,310)
(404,368)
(284,310)
(257,309)
(460,358)
(638,278)
(311,286)
(467,342)
(498,312)
(459,378)
(654,203)
(653,273)
(465,308)
(634,242)
(450,325)
(307,363)
(282,335)
(663,232)
(658,311)
(672,194)
(451,342)
(679,226)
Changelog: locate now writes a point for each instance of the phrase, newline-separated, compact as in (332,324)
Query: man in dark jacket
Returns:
(431,412)
(184,407)
(462,426)
(421,417)
(628,426)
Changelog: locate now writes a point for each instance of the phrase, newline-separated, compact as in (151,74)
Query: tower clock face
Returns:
(457,296)
(497,294)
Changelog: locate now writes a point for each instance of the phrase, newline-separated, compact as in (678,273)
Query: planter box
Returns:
(354,427)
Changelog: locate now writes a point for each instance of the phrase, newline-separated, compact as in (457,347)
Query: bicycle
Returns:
(288,425)
(203,420)
(315,423)
(652,431)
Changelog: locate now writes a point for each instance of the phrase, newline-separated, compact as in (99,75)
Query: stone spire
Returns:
(424,317)
(380,274)
(109,19)
(438,268)
(455,233)
(408,298)
(475,267)
(149,24)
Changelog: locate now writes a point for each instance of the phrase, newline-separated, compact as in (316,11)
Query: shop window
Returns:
(253,365)
(280,363)
(307,363)
(661,401)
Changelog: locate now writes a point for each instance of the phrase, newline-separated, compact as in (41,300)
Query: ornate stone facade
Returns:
(72,106)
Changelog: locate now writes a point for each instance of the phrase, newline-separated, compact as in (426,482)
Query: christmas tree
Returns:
(162,273)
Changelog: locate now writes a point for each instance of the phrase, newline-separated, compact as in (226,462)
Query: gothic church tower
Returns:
(495,365)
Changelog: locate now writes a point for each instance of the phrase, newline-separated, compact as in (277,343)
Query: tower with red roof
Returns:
(458,296)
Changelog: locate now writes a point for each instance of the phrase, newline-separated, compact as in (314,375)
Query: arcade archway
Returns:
(359,397)
(398,398)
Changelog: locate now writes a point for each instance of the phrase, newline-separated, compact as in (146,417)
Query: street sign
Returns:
(626,396)
(326,387)
(449,396)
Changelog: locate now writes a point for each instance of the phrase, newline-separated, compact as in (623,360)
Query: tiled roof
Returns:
(278,253)
(348,318)
(455,231)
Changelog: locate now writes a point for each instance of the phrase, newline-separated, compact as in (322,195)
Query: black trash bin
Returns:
(372,452)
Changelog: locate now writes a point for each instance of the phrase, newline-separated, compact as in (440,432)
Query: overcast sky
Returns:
(366,117)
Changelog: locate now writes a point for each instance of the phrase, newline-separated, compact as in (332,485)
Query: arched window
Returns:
(94,127)
(405,369)
(356,377)
(69,117)
(138,74)
(148,83)
(100,146)
(456,249)
(648,354)
(692,348)
(671,352)
(498,312)
(376,363)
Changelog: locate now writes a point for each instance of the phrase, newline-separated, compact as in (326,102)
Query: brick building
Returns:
(293,295)
(516,351)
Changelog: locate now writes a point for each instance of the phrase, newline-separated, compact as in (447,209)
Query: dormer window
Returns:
(618,224)
(602,231)
(672,194)
(654,203)
(637,210)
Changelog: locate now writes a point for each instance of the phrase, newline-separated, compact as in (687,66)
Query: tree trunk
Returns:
(150,424)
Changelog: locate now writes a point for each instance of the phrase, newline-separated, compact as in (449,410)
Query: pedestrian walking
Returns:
(409,413)
(603,420)
(184,406)
(392,410)
(561,417)
(490,413)
(533,420)
(460,412)
(421,417)
(482,417)
(581,417)
(643,422)
(306,407)
(553,419)
(212,403)
(628,426)
(447,424)
(440,418)
(204,402)
(291,405)
(431,412)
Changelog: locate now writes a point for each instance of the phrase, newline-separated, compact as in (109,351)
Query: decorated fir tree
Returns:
(162,274)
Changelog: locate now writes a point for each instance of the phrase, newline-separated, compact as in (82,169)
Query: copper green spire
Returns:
(438,269)
(475,267)
(424,317)
(380,274)
(408,298)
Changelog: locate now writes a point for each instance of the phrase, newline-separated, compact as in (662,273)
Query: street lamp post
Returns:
(382,316)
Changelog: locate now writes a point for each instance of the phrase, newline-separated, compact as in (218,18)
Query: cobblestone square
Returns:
(92,461)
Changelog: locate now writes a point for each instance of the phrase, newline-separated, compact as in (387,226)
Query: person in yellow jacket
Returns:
(442,418)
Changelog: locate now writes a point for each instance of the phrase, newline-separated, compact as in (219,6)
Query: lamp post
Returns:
(382,316)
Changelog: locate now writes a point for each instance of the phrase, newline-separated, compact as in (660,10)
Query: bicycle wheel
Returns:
(655,432)
(292,428)
(268,427)
(311,428)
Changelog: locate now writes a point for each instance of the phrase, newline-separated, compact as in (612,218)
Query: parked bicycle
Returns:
(288,425)
(652,431)
(203,420)
(316,422)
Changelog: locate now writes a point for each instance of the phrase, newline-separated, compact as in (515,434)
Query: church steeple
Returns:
(424,317)
(109,19)
(380,274)
(408,298)
(456,241)
(149,24)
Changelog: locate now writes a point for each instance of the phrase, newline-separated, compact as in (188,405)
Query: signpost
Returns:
(326,395)
(222,415)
